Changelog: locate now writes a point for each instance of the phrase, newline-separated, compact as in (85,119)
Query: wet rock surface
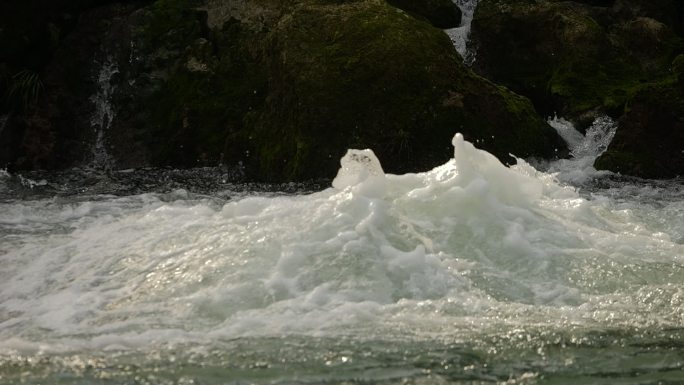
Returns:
(273,86)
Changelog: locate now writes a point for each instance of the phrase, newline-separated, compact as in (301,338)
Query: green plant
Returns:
(24,88)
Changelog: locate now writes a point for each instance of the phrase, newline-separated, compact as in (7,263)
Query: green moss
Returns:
(365,75)
(335,83)
(628,163)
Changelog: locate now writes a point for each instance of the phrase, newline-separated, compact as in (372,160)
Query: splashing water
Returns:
(4,176)
(584,149)
(3,122)
(103,116)
(459,36)
(471,272)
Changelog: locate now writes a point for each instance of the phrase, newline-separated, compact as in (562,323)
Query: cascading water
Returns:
(103,116)
(470,273)
(3,122)
(459,36)
(584,149)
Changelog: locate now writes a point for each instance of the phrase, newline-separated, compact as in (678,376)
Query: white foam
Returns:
(428,252)
(361,168)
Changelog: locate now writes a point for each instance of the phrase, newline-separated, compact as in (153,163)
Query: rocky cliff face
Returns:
(279,87)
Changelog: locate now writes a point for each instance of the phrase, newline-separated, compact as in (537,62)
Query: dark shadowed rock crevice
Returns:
(440,13)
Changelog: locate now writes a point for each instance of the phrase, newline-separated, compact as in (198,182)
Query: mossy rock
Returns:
(649,141)
(286,95)
(441,13)
(568,57)
(362,74)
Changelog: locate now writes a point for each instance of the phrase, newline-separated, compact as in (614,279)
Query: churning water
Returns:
(470,273)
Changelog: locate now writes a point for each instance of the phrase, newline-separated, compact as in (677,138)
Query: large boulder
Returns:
(362,75)
(649,141)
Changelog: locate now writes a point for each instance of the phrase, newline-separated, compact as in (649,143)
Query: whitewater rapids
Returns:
(505,262)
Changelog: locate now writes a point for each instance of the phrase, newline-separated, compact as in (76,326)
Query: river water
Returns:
(470,273)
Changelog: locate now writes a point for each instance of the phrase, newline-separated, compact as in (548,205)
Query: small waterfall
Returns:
(593,143)
(104,113)
(459,36)
(584,149)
